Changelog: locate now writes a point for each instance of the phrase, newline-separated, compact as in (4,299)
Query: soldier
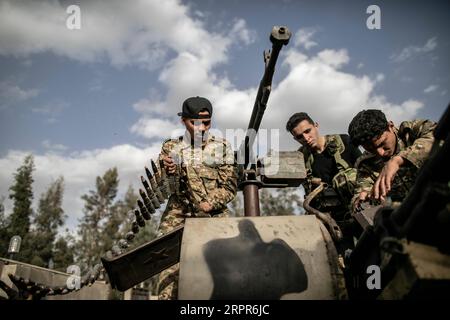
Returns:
(204,167)
(330,158)
(393,155)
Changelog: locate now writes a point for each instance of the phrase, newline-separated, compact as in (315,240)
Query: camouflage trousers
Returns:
(168,279)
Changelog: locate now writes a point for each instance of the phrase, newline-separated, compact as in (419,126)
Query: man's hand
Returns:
(361,198)
(205,207)
(169,164)
(383,184)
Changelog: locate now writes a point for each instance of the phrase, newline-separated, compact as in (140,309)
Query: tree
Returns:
(49,217)
(116,226)
(63,252)
(4,234)
(236,206)
(21,193)
(279,202)
(93,241)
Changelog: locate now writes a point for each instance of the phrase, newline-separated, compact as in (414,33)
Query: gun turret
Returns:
(246,163)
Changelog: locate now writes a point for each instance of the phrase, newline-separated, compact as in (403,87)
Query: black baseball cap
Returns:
(193,105)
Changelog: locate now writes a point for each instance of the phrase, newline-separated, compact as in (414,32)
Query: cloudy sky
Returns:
(106,95)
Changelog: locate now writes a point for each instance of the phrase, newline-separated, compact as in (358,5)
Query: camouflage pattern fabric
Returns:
(414,141)
(207,174)
(333,144)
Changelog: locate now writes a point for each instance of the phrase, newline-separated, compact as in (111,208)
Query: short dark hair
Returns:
(296,118)
(366,126)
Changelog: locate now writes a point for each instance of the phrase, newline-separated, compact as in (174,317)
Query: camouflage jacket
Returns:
(333,145)
(414,141)
(205,174)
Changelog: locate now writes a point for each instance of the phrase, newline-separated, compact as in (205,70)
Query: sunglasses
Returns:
(199,122)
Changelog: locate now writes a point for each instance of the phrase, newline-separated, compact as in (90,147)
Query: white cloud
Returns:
(360,65)
(303,37)
(11,94)
(407,110)
(79,171)
(240,31)
(156,128)
(314,84)
(431,88)
(411,51)
(334,58)
(142,34)
(53,147)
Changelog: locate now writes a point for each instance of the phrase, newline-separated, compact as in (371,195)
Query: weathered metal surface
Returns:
(366,215)
(145,261)
(251,200)
(283,167)
(276,257)
(99,290)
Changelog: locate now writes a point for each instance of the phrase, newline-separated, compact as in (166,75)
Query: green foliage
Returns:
(272,202)
(63,252)
(279,202)
(95,230)
(106,220)
(236,206)
(21,193)
(49,217)
(4,234)
(145,234)
(117,224)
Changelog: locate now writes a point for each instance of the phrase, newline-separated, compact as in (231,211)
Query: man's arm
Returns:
(418,152)
(227,182)
(365,180)
(166,150)
(226,190)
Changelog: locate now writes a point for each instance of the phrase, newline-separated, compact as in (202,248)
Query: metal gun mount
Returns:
(248,181)
(282,169)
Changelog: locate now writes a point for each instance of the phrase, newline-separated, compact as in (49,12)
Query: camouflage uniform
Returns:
(206,174)
(335,147)
(337,197)
(414,141)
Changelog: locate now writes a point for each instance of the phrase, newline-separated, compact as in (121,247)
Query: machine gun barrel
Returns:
(280,36)
(247,174)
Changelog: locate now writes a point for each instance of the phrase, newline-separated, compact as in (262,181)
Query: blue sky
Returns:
(83,101)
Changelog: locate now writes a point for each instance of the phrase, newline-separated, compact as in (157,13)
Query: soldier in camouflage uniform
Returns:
(330,158)
(205,174)
(393,155)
